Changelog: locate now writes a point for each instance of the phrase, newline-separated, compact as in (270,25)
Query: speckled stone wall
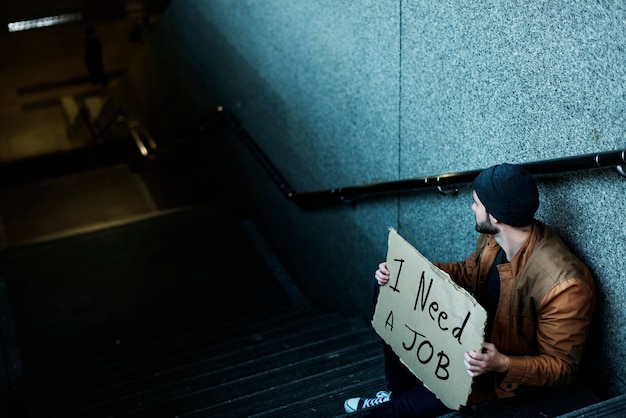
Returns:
(343,93)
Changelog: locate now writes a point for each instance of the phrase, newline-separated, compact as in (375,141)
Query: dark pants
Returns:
(409,397)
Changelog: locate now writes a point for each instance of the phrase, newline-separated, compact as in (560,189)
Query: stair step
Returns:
(326,404)
(199,404)
(246,366)
(171,348)
(174,399)
(612,407)
(294,390)
(175,381)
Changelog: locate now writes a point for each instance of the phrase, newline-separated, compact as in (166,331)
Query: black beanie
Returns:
(509,193)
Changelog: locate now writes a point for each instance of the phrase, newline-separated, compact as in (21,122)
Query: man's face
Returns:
(483,220)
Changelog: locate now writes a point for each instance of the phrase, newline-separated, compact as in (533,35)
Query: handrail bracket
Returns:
(452,191)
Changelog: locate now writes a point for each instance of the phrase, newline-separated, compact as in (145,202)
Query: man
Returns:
(539,299)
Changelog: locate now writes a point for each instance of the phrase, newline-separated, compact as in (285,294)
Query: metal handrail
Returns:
(609,159)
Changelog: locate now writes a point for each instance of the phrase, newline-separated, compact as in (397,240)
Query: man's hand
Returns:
(487,360)
(382,274)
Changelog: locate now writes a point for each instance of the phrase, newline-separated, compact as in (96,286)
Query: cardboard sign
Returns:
(429,322)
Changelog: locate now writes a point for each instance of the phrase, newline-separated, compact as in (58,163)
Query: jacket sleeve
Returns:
(563,323)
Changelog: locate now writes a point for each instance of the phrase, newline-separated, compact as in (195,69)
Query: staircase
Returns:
(156,315)
(292,362)
(149,319)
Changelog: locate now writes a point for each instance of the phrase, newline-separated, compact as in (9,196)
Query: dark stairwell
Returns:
(133,286)
(182,311)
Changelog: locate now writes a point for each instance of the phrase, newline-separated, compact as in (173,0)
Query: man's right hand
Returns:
(382,274)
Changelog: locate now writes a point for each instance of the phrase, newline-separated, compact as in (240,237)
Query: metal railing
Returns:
(609,159)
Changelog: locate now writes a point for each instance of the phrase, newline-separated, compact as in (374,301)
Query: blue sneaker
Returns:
(358,404)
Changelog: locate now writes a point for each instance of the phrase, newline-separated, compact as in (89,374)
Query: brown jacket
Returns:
(546,303)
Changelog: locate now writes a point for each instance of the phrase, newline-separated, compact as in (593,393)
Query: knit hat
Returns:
(509,193)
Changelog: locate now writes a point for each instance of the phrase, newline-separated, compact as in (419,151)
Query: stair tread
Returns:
(154,384)
(286,372)
(315,346)
(203,344)
(200,403)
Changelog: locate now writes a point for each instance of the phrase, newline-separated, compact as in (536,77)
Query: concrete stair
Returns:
(294,362)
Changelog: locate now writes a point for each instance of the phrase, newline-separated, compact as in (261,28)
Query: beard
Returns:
(486,227)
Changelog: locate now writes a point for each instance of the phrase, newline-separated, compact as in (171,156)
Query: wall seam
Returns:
(399,109)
